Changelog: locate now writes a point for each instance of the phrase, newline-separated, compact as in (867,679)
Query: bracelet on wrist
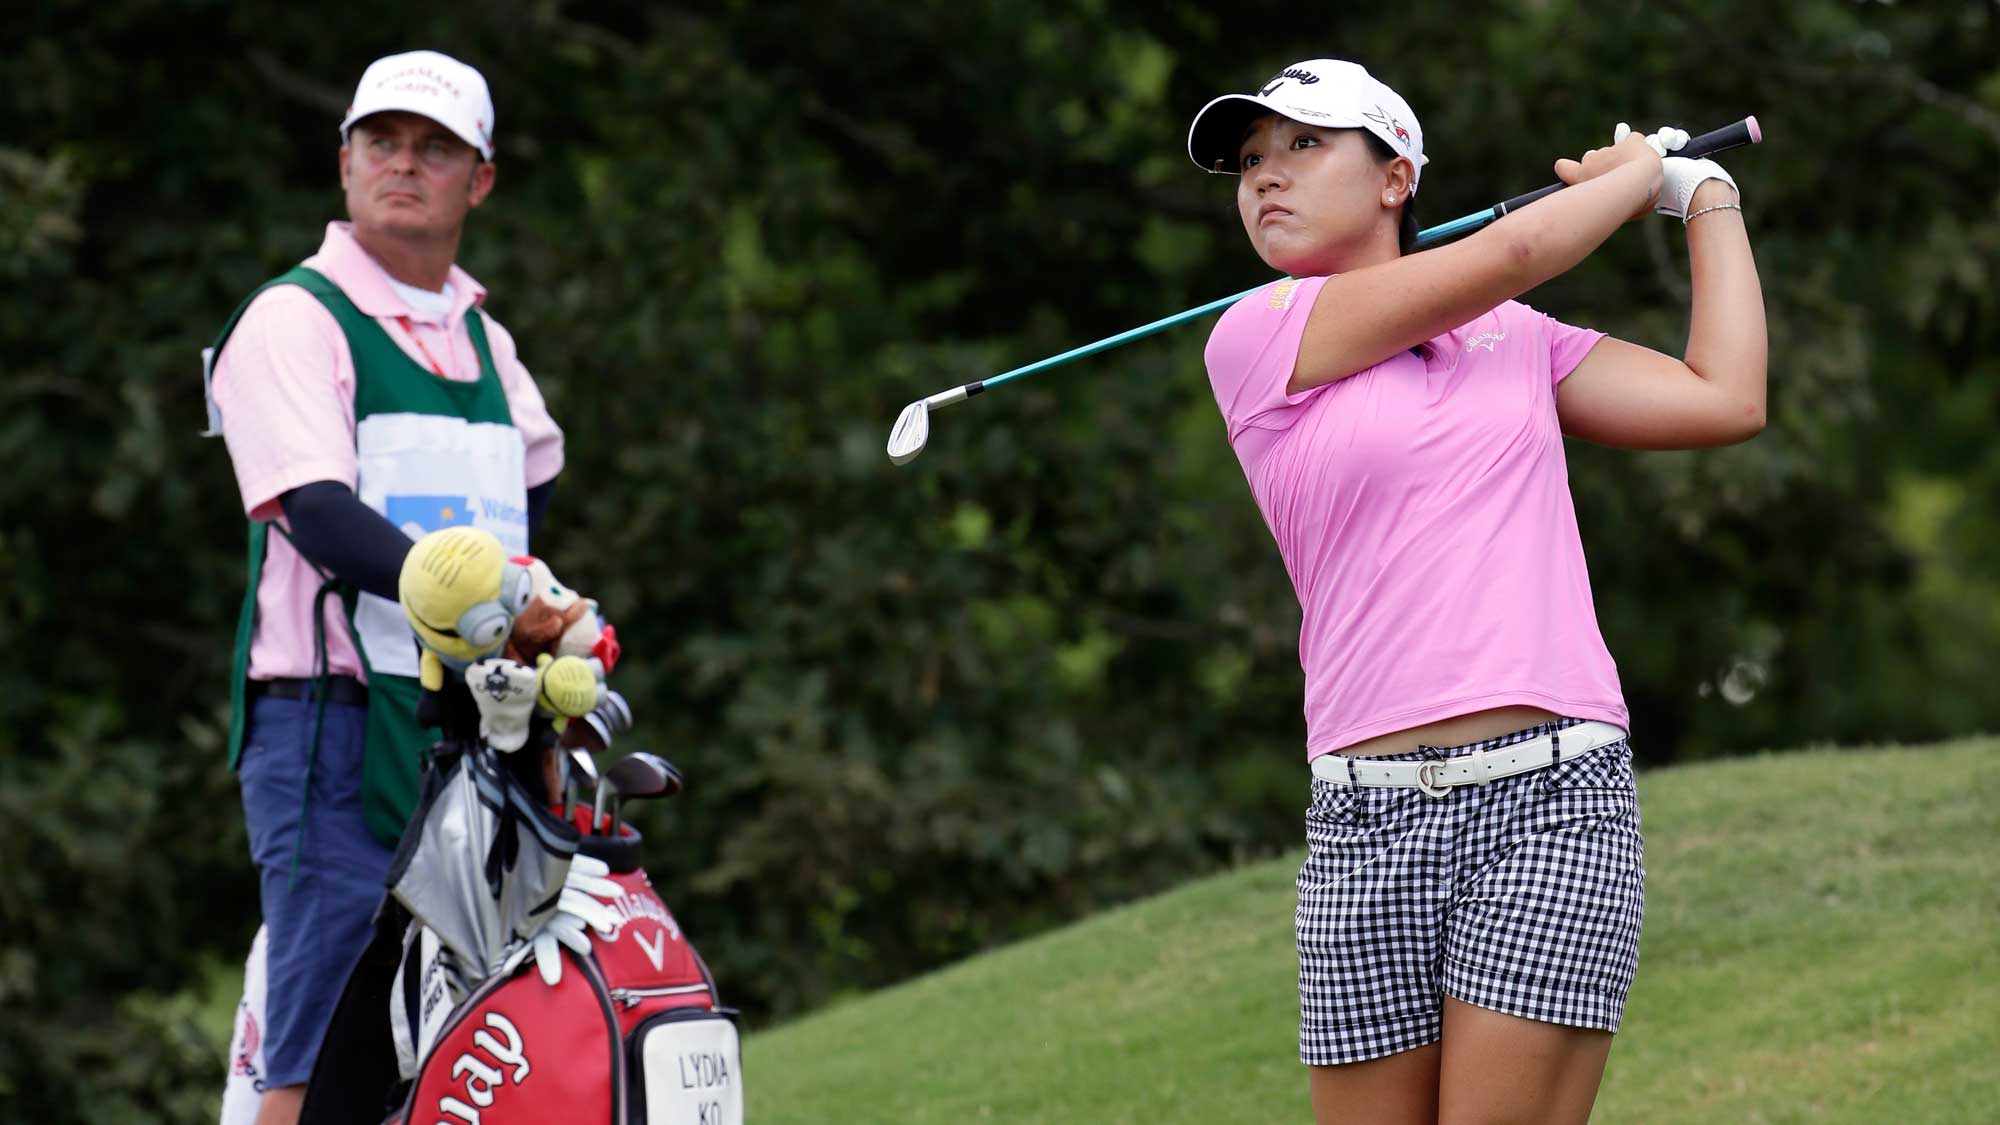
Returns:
(1693,215)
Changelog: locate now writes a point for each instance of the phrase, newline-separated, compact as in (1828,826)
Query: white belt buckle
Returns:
(1427,779)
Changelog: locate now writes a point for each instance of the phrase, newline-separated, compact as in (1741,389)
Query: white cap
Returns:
(431,85)
(1326,92)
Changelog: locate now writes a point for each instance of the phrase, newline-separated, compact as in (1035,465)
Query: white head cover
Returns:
(431,85)
(1325,92)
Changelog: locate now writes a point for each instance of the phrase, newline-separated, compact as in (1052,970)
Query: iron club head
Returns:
(913,429)
(584,763)
(641,775)
(644,774)
(913,425)
(612,717)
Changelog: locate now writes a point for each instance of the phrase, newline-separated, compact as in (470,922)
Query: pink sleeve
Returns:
(1568,345)
(539,432)
(1253,350)
(285,386)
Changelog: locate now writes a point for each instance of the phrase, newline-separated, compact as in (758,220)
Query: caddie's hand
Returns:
(1629,149)
(504,691)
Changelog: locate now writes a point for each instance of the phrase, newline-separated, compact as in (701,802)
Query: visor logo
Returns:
(1388,121)
(1297,74)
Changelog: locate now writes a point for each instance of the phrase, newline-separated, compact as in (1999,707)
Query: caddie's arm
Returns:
(339,534)
(538,507)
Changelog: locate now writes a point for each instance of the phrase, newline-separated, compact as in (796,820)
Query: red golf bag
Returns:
(631,1034)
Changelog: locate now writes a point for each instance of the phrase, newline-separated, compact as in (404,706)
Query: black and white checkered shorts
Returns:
(1523,895)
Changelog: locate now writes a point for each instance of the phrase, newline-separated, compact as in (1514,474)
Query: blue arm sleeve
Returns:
(538,508)
(339,534)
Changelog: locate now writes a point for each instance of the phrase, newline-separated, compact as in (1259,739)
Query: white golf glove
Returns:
(578,911)
(592,876)
(504,691)
(1682,175)
(1666,142)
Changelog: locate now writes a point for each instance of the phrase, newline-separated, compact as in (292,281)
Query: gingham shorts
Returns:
(1523,895)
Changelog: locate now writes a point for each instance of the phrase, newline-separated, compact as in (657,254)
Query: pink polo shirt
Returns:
(1422,508)
(285,386)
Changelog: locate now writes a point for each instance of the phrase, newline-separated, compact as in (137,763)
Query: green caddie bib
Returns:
(432,452)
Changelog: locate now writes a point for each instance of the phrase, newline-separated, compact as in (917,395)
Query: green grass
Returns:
(1822,944)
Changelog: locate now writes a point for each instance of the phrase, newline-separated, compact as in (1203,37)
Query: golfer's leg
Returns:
(1543,942)
(1398,1089)
(1369,922)
(1498,1069)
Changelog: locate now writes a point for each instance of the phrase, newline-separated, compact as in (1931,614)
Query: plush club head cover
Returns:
(461,594)
(568,687)
(552,612)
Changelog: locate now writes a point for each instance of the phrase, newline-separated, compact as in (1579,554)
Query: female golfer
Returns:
(1468,913)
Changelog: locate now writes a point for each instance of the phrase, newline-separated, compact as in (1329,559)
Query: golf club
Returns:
(913,426)
(566,781)
(604,786)
(638,775)
(575,759)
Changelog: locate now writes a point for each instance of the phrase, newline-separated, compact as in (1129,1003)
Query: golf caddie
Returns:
(366,398)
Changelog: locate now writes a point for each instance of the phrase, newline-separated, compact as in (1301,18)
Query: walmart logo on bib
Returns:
(417,516)
(420,515)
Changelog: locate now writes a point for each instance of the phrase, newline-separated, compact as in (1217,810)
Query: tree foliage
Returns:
(1052,664)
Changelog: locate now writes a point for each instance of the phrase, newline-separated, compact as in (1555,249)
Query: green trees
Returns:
(1052,664)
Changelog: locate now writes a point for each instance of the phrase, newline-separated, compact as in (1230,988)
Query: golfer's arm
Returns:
(1632,397)
(1727,345)
(1367,315)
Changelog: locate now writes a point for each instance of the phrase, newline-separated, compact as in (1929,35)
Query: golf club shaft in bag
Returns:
(912,429)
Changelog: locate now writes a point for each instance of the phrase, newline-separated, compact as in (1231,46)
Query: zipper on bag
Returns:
(630,998)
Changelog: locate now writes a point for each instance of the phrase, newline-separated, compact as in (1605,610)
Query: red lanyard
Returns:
(435,366)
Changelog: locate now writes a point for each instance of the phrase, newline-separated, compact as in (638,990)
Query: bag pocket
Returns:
(689,1066)
(519,1051)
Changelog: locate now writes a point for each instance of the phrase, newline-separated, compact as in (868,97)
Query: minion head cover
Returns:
(461,593)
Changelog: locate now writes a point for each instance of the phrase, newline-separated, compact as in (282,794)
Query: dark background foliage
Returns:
(1050,666)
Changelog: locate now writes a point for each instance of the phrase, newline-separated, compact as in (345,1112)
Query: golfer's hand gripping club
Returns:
(912,430)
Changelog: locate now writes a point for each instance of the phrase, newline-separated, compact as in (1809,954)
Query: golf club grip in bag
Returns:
(1743,132)
(630,1035)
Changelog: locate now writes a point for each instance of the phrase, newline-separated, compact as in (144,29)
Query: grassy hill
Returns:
(1822,944)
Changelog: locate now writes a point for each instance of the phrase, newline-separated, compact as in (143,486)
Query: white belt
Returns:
(1439,776)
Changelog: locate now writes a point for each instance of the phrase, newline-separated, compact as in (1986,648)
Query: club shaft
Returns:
(1742,132)
(568,781)
(1109,342)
